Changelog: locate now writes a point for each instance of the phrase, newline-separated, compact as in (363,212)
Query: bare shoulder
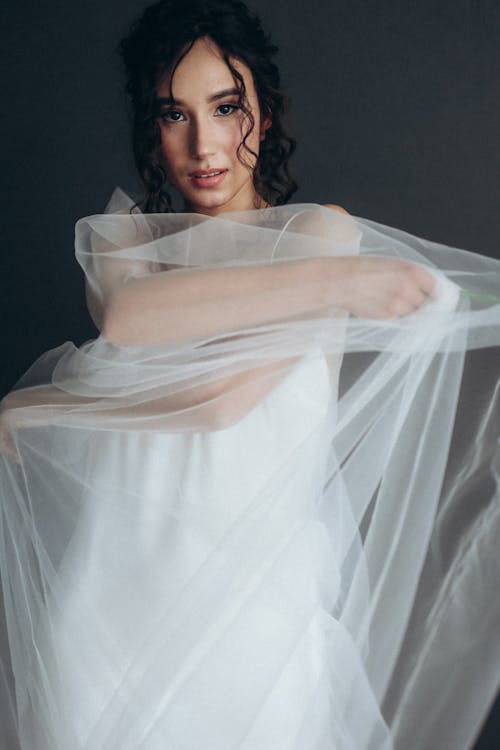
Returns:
(346,230)
(336,208)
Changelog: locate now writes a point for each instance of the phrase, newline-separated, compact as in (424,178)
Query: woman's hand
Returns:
(379,287)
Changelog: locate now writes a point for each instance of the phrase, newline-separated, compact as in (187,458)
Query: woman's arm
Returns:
(167,305)
(196,303)
(215,405)
(180,305)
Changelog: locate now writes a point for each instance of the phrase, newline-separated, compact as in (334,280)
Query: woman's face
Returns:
(202,129)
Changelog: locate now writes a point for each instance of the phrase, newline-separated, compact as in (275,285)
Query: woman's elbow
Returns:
(224,416)
(129,321)
(117,325)
(110,327)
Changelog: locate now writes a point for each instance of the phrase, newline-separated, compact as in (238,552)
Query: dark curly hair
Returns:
(158,41)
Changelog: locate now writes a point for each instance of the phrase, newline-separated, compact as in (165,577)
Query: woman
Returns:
(247,515)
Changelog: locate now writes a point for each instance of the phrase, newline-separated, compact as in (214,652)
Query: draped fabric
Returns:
(283,536)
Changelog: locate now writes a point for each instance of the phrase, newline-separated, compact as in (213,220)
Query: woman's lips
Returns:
(207,178)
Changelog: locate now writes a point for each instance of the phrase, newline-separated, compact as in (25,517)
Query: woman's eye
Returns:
(227,109)
(172,115)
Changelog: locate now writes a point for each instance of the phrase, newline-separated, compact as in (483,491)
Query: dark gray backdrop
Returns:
(396,106)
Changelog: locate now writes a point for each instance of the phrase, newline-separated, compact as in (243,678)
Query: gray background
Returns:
(396,107)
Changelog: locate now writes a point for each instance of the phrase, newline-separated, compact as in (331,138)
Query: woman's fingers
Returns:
(380,287)
(425,279)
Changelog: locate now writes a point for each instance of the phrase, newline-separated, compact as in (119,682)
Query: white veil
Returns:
(197,533)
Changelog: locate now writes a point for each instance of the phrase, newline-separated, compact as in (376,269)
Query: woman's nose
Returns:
(202,139)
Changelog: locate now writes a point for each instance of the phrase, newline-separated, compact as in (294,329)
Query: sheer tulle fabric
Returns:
(305,561)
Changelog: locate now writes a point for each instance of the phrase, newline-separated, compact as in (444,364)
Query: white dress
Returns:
(301,576)
(251,664)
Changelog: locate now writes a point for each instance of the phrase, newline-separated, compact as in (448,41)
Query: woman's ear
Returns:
(264,126)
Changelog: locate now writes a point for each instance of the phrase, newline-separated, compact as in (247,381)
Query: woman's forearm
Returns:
(214,405)
(179,305)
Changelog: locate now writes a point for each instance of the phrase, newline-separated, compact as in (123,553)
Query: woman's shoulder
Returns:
(346,230)
(335,207)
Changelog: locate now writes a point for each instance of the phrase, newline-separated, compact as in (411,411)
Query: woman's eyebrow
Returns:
(212,98)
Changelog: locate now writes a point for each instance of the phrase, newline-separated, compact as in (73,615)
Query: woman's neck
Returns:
(255,203)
